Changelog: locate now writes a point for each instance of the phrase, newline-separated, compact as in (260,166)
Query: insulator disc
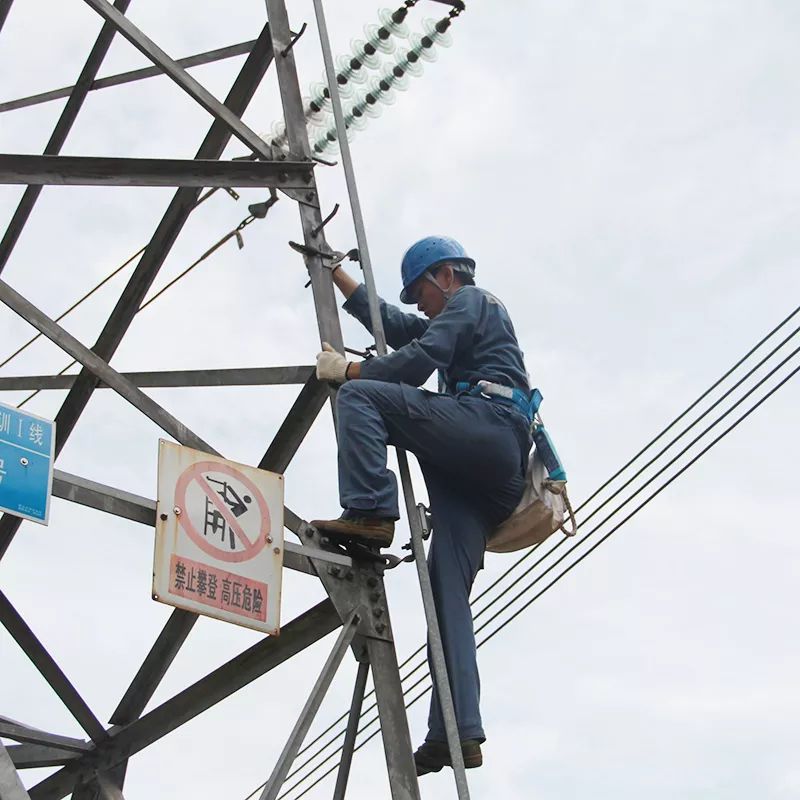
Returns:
(369,61)
(425,53)
(355,123)
(371,110)
(411,69)
(384,96)
(442,39)
(387,46)
(343,67)
(397,28)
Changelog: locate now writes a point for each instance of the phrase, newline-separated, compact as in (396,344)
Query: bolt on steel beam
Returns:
(96,171)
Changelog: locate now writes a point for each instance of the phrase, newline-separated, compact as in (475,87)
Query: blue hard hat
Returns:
(427,253)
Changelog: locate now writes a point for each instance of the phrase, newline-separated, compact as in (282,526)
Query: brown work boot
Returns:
(432,756)
(352,526)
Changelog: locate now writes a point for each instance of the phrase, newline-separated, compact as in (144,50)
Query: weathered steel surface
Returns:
(173,70)
(51,170)
(50,671)
(11,787)
(259,659)
(243,376)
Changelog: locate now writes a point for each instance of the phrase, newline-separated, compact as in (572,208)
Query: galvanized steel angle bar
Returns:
(315,698)
(242,376)
(178,211)
(393,720)
(100,368)
(65,121)
(19,732)
(20,631)
(141,509)
(358,588)
(240,671)
(297,137)
(5,7)
(353,721)
(296,425)
(207,57)
(11,787)
(57,170)
(179,75)
(32,756)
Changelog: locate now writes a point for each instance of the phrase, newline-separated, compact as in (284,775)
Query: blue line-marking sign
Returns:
(27,445)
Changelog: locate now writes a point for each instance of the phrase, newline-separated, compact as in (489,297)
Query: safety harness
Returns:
(545,505)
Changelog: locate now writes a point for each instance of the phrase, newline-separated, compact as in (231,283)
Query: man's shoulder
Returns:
(477,294)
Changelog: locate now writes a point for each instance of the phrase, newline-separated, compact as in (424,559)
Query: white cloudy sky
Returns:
(626,176)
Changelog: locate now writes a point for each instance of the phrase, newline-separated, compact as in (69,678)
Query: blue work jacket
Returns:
(472,339)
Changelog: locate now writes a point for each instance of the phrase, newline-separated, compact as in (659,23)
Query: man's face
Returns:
(429,296)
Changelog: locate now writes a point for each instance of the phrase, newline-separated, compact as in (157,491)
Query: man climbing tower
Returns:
(471,442)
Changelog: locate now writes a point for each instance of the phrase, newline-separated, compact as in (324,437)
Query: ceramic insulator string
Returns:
(352,68)
(381,90)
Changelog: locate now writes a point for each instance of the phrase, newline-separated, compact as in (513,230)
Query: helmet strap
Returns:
(446,292)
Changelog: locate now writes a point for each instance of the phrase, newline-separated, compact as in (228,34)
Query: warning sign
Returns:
(219,538)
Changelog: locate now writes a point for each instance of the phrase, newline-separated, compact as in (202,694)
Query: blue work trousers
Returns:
(473,453)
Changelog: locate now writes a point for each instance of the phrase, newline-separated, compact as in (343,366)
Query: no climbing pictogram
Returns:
(222,511)
(219,538)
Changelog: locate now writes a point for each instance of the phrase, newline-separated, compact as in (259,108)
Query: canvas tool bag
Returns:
(542,511)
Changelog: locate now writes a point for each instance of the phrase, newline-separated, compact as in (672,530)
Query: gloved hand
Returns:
(331,366)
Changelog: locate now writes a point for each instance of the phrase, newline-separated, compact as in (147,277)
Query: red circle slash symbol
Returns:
(223,508)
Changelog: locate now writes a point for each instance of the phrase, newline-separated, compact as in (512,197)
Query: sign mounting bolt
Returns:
(177,511)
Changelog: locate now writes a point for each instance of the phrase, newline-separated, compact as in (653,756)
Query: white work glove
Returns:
(331,366)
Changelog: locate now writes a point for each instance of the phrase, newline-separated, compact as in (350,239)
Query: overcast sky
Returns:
(626,176)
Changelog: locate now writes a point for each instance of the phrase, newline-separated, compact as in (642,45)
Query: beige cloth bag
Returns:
(541,511)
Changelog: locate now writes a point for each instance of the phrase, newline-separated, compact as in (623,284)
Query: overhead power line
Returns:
(625,502)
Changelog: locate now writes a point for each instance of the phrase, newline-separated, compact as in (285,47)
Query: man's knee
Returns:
(359,391)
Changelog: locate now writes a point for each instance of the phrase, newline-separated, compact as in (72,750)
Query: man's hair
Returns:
(458,268)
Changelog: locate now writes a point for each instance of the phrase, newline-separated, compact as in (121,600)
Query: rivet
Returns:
(276,550)
(177,511)
(372,582)
(23,461)
(380,627)
(163,517)
(269,540)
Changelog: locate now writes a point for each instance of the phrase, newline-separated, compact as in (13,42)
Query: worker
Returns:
(471,441)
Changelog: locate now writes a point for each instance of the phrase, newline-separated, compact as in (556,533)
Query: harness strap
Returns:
(527,403)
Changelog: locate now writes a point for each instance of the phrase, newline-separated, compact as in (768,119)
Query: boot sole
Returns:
(355,533)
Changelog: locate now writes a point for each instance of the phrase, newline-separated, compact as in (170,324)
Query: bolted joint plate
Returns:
(353,588)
